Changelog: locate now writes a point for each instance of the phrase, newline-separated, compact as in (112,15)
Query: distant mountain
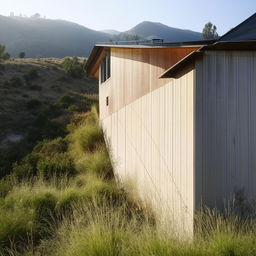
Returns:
(111,31)
(47,38)
(149,30)
(59,38)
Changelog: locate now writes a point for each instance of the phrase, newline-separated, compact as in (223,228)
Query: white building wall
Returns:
(225,127)
(152,144)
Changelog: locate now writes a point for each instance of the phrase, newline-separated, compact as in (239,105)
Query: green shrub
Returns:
(89,138)
(73,67)
(44,205)
(15,82)
(33,104)
(4,55)
(67,200)
(22,55)
(35,88)
(15,228)
(51,147)
(31,75)
(45,115)
(73,108)
(5,187)
(27,167)
(99,163)
(66,101)
(56,165)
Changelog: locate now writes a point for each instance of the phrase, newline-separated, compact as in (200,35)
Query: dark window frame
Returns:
(105,68)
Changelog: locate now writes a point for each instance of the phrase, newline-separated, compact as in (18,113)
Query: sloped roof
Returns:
(244,31)
(190,58)
(148,44)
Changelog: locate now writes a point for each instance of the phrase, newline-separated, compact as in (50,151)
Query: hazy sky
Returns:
(122,15)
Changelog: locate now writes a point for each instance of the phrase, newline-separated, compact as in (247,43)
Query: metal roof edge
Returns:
(236,27)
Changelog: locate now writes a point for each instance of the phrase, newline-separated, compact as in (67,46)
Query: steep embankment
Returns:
(33,94)
(61,200)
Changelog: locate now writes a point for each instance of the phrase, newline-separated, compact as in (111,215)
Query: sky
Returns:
(123,15)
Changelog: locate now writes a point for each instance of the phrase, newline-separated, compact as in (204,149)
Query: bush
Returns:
(5,187)
(4,55)
(51,147)
(22,55)
(73,67)
(15,227)
(66,101)
(44,205)
(99,163)
(33,104)
(89,138)
(27,167)
(56,165)
(31,75)
(35,88)
(15,82)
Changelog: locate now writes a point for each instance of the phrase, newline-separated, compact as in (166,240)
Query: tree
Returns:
(73,67)
(22,55)
(210,31)
(4,55)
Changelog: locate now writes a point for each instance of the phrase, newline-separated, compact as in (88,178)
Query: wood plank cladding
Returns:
(152,144)
(135,72)
(225,127)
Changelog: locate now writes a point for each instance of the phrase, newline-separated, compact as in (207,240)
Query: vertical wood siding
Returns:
(225,127)
(152,141)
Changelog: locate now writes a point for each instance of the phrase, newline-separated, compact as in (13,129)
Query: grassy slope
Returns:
(75,208)
(61,199)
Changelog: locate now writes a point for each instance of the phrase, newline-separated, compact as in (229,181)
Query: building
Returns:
(180,120)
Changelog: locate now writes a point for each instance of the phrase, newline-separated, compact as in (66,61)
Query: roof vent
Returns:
(157,40)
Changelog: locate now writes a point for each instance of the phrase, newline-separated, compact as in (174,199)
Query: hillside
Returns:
(39,37)
(111,31)
(149,30)
(33,92)
(47,38)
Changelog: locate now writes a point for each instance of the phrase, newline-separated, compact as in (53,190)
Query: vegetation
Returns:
(22,55)
(60,196)
(210,31)
(31,75)
(61,199)
(73,67)
(36,104)
(4,55)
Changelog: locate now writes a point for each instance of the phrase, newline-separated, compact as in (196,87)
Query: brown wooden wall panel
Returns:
(135,72)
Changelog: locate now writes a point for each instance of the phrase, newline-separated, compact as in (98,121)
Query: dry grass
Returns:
(87,214)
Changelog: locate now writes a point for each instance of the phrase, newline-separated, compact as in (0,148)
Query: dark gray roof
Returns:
(244,31)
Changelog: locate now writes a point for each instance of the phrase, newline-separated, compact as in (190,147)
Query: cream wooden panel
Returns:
(226,127)
(152,138)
